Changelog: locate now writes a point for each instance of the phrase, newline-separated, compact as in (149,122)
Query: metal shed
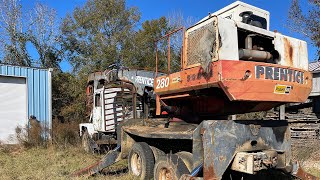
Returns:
(24,92)
(314,67)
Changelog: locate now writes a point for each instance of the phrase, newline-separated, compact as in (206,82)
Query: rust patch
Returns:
(189,177)
(208,173)
(222,158)
(85,171)
(305,176)
(288,50)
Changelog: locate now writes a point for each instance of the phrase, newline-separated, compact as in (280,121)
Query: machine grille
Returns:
(201,45)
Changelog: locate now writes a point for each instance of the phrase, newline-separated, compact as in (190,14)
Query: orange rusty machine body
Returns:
(230,63)
(230,67)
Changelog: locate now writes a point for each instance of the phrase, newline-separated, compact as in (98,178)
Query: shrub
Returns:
(65,134)
(32,135)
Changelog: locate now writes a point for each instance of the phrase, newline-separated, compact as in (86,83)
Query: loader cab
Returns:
(97,110)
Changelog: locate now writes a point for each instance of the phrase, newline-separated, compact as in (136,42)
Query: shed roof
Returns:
(314,66)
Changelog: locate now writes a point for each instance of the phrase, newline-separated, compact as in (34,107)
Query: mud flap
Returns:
(110,158)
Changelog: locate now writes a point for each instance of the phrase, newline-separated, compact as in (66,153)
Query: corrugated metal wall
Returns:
(39,90)
(315,84)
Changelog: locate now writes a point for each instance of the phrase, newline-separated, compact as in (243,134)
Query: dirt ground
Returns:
(307,153)
(59,163)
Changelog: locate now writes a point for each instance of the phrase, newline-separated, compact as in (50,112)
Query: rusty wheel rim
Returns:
(165,174)
(136,164)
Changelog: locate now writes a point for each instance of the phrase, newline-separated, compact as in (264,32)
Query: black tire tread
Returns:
(145,152)
(174,162)
(157,153)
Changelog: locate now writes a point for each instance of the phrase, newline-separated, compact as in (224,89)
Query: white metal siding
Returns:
(229,40)
(315,85)
(293,52)
(13,107)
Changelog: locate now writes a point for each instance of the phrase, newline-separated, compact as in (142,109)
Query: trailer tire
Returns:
(141,161)
(187,158)
(170,167)
(157,153)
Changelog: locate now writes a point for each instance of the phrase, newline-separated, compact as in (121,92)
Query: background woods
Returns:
(97,34)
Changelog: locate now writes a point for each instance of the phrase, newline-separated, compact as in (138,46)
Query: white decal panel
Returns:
(144,80)
(162,83)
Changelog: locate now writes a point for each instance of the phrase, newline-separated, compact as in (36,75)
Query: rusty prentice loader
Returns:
(230,63)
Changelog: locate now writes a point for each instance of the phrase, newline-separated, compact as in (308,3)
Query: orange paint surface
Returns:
(229,75)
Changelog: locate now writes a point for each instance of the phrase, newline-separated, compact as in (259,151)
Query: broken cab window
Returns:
(97,100)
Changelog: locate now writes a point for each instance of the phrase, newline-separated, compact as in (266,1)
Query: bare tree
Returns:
(43,34)
(177,20)
(306,22)
(12,39)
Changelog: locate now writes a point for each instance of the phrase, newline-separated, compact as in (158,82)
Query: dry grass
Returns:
(47,163)
(65,134)
(17,162)
(36,158)
(32,160)
(307,153)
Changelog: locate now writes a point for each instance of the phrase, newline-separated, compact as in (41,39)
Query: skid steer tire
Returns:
(170,167)
(141,161)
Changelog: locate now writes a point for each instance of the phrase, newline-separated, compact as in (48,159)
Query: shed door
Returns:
(13,107)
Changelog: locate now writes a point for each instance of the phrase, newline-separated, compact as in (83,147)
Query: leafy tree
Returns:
(68,95)
(141,50)
(307,23)
(94,36)
(149,39)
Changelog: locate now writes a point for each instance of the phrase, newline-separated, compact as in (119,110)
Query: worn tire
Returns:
(157,153)
(187,158)
(141,161)
(170,167)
